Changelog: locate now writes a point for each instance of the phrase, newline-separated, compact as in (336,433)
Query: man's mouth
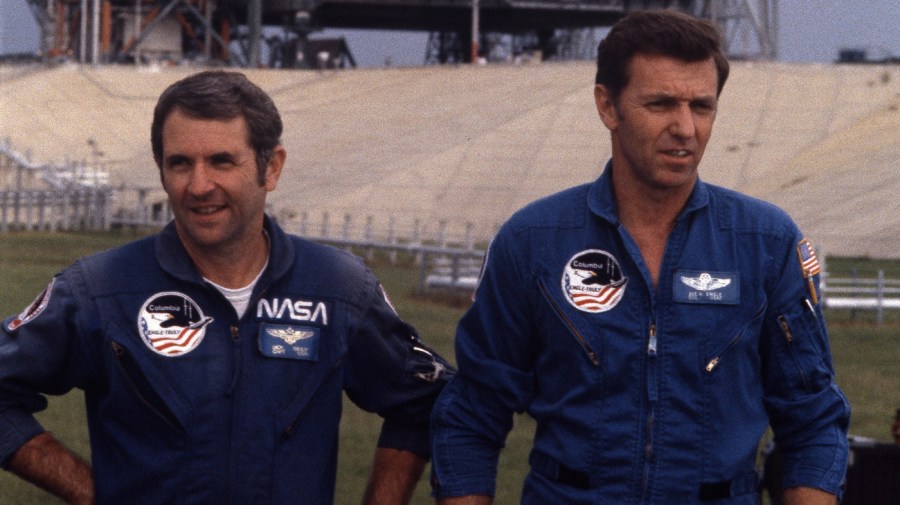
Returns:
(678,153)
(207,209)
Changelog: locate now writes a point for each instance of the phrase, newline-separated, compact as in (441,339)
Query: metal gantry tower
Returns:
(750,28)
(235,32)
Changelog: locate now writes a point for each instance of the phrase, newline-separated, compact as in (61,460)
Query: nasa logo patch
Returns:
(593,282)
(33,310)
(171,324)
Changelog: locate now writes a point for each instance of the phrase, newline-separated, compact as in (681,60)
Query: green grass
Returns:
(865,358)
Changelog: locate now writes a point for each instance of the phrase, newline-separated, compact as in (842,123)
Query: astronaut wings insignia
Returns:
(289,335)
(705,282)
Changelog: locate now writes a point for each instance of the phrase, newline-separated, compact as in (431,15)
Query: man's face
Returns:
(210,175)
(661,121)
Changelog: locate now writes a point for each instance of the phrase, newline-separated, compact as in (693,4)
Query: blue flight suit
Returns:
(189,404)
(643,395)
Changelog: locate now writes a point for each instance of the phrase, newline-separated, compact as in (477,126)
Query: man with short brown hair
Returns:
(654,326)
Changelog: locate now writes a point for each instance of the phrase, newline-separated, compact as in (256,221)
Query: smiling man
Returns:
(214,355)
(654,326)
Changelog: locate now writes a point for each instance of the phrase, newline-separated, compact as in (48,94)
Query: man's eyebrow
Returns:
(221,155)
(175,158)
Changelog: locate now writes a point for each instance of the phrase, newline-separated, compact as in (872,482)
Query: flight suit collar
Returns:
(602,203)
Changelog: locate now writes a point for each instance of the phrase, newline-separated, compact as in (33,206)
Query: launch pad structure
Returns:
(281,33)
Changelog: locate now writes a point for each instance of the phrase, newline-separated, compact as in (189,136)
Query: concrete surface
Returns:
(467,146)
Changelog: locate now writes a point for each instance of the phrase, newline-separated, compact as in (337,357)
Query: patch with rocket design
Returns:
(592,281)
(171,324)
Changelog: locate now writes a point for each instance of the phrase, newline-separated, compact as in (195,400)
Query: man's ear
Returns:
(274,166)
(606,107)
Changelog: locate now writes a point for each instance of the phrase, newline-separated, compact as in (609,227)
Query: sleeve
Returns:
(393,373)
(35,347)
(494,350)
(808,412)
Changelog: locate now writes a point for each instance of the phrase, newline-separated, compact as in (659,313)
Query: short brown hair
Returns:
(657,32)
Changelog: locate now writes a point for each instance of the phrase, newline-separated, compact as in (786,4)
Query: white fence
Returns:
(862,294)
(69,210)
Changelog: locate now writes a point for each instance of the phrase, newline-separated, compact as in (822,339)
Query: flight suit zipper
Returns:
(652,397)
(141,387)
(570,325)
(789,338)
(714,362)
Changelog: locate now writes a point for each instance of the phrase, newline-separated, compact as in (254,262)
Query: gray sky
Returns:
(811,31)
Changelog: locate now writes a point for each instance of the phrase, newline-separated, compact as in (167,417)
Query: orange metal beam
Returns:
(106,27)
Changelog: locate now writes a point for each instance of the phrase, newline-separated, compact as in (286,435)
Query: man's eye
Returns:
(177,164)
(704,108)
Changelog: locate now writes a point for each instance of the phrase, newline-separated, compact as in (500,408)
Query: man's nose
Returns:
(683,123)
(201,181)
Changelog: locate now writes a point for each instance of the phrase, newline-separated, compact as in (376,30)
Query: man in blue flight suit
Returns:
(653,325)
(214,355)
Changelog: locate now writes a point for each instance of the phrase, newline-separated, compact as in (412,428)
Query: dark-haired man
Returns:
(214,355)
(654,326)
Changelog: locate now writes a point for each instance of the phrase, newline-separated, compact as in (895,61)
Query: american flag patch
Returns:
(808,260)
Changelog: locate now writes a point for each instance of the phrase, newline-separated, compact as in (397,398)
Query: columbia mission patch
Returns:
(592,281)
(697,286)
(171,324)
(289,341)
(33,310)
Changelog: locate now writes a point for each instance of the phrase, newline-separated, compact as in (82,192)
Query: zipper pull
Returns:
(712,364)
(651,343)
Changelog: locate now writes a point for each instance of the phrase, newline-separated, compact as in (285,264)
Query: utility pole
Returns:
(475,29)
(254,29)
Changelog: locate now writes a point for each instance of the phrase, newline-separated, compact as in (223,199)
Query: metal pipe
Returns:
(95,32)
(82,40)
(475,31)
(254,28)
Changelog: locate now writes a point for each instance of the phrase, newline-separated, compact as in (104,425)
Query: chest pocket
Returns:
(304,379)
(578,336)
(144,385)
(721,345)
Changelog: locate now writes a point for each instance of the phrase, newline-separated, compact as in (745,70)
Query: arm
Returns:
(808,413)
(44,462)
(808,496)
(474,414)
(395,474)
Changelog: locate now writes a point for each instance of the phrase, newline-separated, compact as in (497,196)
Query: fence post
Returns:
(442,233)
(423,272)
(304,218)
(324,232)
(345,230)
(880,298)
(370,252)
(29,210)
(4,203)
(416,241)
(392,240)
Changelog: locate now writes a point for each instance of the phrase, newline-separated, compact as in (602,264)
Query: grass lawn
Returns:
(865,359)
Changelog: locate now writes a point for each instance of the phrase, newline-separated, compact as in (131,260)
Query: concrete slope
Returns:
(467,146)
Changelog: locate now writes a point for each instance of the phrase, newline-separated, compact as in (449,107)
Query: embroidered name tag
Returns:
(289,342)
(693,286)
